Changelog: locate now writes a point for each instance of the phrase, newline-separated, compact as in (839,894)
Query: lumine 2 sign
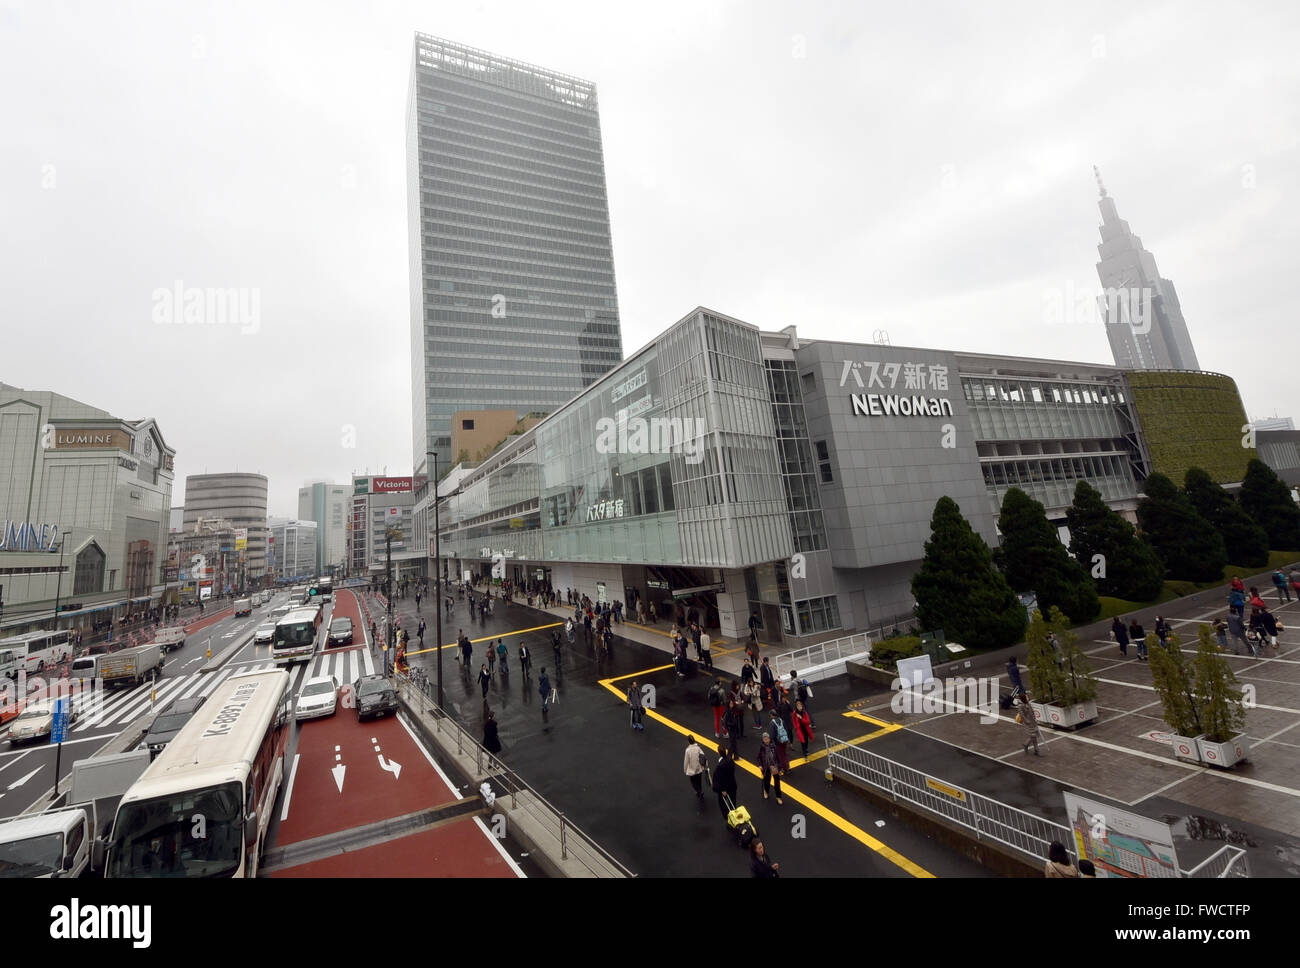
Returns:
(25,536)
(916,376)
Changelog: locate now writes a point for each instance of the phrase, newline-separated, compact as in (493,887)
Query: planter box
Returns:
(1224,755)
(1187,748)
(1064,716)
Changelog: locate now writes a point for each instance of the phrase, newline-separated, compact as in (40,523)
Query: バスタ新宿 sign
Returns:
(918,377)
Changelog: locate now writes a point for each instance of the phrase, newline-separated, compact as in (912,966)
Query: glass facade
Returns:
(1044,436)
(514,302)
(797,468)
(668,461)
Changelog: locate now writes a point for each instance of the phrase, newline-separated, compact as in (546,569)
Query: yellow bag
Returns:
(1020,719)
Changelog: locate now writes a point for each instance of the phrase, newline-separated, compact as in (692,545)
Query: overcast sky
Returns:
(925,169)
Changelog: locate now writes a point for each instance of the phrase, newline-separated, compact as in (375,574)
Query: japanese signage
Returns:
(634,382)
(865,375)
(241,539)
(603,510)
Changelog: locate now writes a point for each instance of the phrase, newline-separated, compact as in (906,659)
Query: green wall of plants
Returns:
(1191,420)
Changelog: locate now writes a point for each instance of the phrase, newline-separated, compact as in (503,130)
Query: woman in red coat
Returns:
(803,728)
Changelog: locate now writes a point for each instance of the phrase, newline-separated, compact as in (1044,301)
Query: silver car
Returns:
(36,722)
(319,697)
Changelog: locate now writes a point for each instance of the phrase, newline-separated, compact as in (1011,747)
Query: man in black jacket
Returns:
(724,781)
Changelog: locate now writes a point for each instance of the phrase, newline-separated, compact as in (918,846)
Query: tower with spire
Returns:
(1143,319)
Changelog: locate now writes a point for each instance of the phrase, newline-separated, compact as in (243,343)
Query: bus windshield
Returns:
(198,833)
(295,633)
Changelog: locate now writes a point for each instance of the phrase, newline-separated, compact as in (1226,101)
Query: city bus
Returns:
(202,808)
(35,650)
(295,635)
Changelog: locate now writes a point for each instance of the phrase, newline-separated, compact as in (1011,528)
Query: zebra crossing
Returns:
(121,708)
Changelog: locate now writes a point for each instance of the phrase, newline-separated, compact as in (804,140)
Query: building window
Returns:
(809,382)
(818,614)
(824,462)
(89,573)
(467,425)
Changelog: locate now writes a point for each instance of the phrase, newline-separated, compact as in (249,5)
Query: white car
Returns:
(265,633)
(37,721)
(319,697)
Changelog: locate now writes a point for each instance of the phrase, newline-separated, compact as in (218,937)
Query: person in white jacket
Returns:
(693,767)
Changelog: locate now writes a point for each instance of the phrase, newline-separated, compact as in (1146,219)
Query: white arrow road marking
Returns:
(197,658)
(391,766)
(338,772)
(22,780)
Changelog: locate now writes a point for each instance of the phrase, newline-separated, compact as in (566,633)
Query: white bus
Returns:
(295,635)
(202,808)
(35,650)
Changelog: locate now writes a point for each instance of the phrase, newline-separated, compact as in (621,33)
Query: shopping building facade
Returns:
(733,472)
(86,498)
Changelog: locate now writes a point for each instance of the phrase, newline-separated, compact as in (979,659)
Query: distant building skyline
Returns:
(1144,321)
(513,296)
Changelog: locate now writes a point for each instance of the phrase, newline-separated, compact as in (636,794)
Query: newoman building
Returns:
(731,471)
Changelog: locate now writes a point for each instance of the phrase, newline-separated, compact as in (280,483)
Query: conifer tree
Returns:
(1189,545)
(1033,559)
(1109,547)
(1268,501)
(957,589)
(1244,539)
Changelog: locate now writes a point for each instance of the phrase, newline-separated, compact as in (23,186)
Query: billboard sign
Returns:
(391,485)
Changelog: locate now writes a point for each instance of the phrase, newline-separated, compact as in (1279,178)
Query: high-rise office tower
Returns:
(1144,322)
(513,302)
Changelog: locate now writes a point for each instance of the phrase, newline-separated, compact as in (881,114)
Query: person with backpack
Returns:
(803,727)
(1279,581)
(1237,601)
(724,781)
(785,709)
(634,705)
(770,762)
(1267,624)
(694,767)
(780,739)
(802,691)
(718,700)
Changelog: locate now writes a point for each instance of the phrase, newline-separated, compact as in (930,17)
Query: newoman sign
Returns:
(916,376)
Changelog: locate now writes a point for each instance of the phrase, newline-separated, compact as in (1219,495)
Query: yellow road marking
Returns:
(830,816)
(488,638)
(872,720)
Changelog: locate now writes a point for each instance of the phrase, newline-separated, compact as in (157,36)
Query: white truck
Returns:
(126,666)
(172,637)
(53,844)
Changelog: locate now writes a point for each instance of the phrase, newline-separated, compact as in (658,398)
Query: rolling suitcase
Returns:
(740,823)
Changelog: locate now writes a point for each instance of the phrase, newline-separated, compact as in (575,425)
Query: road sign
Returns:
(59,731)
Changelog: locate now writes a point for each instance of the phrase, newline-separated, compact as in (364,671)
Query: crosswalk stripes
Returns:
(128,705)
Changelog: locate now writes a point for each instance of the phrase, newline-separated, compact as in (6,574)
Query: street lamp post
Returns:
(437,575)
(388,590)
(58,591)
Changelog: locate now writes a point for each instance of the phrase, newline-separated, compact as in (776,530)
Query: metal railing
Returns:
(574,843)
(833,650)
(1029,835)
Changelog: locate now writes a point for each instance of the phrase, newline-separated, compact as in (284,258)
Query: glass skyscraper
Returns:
(513,301)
